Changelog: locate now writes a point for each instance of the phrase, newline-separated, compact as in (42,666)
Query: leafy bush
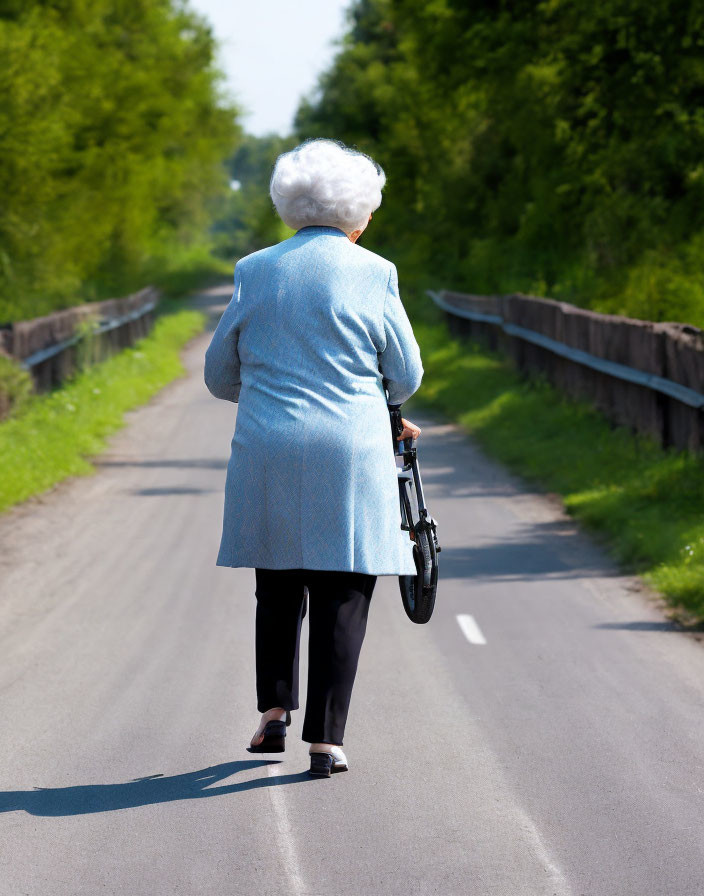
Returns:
(15,386)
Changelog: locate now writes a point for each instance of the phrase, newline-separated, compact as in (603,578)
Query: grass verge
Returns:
(646,503)
(54,434)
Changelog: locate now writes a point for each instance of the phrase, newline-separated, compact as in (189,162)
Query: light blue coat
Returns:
(311,481)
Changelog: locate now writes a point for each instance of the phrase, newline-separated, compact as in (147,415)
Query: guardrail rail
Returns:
(646,375)
(53,346)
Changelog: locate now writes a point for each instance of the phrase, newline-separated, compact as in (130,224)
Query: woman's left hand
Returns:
(410,430)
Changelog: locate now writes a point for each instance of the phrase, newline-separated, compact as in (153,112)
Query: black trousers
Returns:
(338,604)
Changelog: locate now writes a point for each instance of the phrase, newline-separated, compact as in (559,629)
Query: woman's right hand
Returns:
(410,430)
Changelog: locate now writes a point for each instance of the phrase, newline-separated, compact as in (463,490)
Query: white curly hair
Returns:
(324,182)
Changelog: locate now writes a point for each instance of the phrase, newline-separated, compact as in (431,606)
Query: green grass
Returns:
(54,435)
(645,503)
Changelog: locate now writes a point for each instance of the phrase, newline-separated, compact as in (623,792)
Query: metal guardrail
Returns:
(109,324)
(680,393)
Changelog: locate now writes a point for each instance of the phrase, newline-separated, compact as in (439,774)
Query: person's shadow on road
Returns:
(83,799)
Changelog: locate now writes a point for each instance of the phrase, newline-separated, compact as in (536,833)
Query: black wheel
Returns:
(418,591)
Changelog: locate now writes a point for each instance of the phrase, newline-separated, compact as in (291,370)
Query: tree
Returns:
(113,135)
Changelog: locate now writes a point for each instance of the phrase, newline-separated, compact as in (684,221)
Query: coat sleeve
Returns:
(222,360)
(399,362)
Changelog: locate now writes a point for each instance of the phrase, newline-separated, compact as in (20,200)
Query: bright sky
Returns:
(272,52)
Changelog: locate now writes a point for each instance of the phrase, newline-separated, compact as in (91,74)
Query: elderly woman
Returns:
(314,338)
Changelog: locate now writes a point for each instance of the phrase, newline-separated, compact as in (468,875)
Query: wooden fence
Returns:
(649,376)
(52,347)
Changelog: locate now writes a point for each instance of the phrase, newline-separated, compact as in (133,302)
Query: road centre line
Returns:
(286,840)
(470,629)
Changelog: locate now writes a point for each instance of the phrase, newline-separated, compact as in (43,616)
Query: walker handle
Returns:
(396,424)
(401,446)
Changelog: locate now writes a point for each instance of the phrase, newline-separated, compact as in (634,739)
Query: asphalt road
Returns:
(551,743)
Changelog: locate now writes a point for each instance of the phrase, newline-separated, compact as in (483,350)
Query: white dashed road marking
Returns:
(470,629)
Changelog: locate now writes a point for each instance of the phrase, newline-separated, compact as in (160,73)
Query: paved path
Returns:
(565,755)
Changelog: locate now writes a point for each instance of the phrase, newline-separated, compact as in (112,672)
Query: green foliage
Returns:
(646,504)
(55,435)
(88,345)
(15,386)
(182,270)
(114,131)
(549,147)
(247,220)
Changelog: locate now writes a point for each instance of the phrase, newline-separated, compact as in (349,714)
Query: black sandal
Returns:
(274,737)
(323,765)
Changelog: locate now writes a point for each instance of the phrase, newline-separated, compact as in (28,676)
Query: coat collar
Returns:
(322,228)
